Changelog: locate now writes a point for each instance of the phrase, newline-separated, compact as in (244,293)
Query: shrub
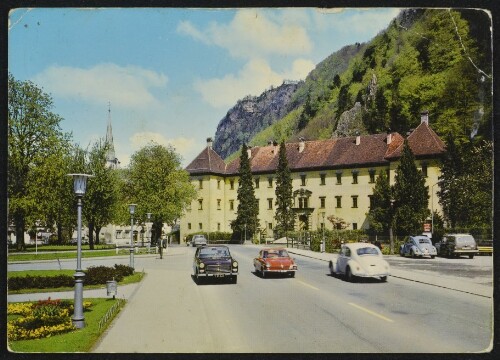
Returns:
(39,282)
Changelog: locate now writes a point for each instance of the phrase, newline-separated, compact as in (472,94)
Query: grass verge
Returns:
(70,255)
(81,340)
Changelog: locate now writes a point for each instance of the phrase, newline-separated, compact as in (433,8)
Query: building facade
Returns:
(329,177)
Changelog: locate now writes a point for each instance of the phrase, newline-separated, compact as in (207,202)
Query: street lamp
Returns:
(148,230)
(79,186)
(391,236)
(131,209)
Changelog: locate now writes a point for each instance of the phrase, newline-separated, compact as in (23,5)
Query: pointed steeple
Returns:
(110,155)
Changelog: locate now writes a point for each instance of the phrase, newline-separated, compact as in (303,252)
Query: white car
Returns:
(360,260)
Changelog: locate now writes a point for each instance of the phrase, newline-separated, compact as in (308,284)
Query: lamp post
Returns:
(79,186)
(245,232)
(148,230)
(131,209)
(391,237)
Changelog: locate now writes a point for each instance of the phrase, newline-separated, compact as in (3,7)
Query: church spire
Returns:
(111,159)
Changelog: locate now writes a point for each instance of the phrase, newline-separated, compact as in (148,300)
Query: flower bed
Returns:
(41,319)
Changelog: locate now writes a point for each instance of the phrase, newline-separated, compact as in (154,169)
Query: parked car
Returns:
(198,240)
(455,245)
(419,246)
(360,260)
(274,261)
(215,262)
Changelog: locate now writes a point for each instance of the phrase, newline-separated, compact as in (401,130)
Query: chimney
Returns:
(209,142)
(389,138)
(249,152)
(358,138)
(424,117)
(302,144)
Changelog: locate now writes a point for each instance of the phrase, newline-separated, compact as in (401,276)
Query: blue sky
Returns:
(171,75)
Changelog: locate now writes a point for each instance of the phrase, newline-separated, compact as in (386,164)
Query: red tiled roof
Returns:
(208,161)
(334,153)
(423,142)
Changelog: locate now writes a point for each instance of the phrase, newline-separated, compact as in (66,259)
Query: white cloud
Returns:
(255,77)
(125,86)
(254,33)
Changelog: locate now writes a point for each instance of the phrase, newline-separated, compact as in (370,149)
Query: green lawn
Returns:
(70,254)
(81,340)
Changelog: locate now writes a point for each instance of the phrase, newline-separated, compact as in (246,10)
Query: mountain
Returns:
(435,60)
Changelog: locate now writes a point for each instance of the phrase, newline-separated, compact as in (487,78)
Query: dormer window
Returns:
(355,176)
(424,169)
(303,179)
(372,175)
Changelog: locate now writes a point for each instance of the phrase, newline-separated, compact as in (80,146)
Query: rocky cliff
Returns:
(251,115)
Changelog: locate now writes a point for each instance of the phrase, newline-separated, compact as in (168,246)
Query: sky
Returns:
(169,75)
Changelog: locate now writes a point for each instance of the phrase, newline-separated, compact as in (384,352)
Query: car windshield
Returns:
(367,251)
(213,252)
(424,241)
(462,240)
(274,253)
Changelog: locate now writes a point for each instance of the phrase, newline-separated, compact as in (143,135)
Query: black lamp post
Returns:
(79,185)
(131,209)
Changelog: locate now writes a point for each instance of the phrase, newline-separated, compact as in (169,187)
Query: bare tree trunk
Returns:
(97,232)
(91,235)
(20,233)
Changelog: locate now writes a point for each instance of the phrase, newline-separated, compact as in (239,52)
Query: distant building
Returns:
(329,177)
(111,158)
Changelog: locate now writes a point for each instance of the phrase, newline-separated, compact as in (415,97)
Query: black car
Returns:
(216,262)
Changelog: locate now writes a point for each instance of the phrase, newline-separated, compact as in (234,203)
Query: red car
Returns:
(274,260)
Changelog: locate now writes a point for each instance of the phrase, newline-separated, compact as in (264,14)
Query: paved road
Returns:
(313,312)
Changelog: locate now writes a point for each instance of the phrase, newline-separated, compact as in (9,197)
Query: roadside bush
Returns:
(123,270)
(40,282)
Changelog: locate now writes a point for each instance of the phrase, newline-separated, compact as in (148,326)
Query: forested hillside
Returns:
(437,60)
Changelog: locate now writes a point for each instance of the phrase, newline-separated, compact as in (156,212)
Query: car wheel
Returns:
(262,273)
(292,274)
(401,253)
(234,279)
(412,254)
(383,278)
(433,256)
(348,275)
(471,256)
(330,266)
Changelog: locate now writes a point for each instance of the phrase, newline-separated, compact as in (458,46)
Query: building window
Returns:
(322,202)
(270,204)
(201,184)
(270,182)
(339,201)
(302,179)
(200,204)
(370,197)
(339,178)
(322,179)
(354,201)
(322,226)
(218,184)
(355,226)
(218,226)
(372,176)
(257,183)
(388,173)
(270,226)
(218,204)
(303,203)
(231,205)
(231,184)
(189,226)
(354,177)
(200,225)
(424,169)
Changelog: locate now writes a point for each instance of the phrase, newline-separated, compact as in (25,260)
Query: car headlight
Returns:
(235,264)
(202,265)
(293,266)
(268,265)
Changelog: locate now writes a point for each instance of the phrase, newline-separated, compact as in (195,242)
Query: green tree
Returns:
(102,192)
(380,213)
(411,196)
(285,217)
(34,136)
(247,220)
(156,182)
